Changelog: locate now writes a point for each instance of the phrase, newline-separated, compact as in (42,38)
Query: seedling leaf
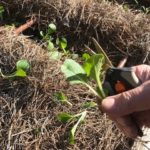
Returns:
(73,130)
(55,55)
(21,67)
(22,64)
(64,117)
(20,73)
(93,65)
(61,97)
(50,45)
(41,33)
(74,72)
(51,28)
(85,56)
(63,43)
(89,105)
(93,68)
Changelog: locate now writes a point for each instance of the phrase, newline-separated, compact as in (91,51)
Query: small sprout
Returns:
(55,55)
(61,97)
(73,130)
(51,28)
(50,45)
(57,41)
(85,56)
(89,105)
(41,33)
(22,67)
(2,10)
(23,64)
(63,43)
(65,118)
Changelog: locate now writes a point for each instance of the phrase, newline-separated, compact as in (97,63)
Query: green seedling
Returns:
(22,66)
(62,43)
(54,44)
(91,70)
(51,28)
(85,56)
(2,10)
(55,55)
(65,117)
(48,36)
(62,98)
(89,105)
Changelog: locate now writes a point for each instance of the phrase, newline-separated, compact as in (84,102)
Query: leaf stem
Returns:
(94,92)
(100,87)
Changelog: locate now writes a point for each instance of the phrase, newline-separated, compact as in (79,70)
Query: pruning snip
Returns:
(118,79)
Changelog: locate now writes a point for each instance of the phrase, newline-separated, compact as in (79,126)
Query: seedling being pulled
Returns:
(22,66)
(92,69)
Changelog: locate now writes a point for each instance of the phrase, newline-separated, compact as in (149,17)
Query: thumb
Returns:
(128,102)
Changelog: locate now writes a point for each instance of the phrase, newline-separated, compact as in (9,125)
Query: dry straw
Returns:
(27,109)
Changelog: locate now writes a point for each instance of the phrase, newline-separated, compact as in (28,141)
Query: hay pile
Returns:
(28,111)
(119,31)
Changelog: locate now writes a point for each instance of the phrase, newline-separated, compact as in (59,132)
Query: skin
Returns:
(135,102)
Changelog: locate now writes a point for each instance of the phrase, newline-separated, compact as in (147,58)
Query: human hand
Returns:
(136,102)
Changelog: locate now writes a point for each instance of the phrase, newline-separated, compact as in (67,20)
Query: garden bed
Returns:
(28,110)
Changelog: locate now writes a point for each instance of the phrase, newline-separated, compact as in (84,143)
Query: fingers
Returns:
(143,118)
(127,125)
(143,72)
(128,102)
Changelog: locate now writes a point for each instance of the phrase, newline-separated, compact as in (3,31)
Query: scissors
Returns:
(117,79)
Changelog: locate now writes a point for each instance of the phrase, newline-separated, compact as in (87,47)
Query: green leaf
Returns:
(64,117)
(93,66)
(89,105)
(22,64)
(57,41)
(55,55)
(63,43)
(20,73)
(85,56)
(74,72)
(41,33)
(50,45)
(73,130)
(61,97)
(2,10)
(51,28)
